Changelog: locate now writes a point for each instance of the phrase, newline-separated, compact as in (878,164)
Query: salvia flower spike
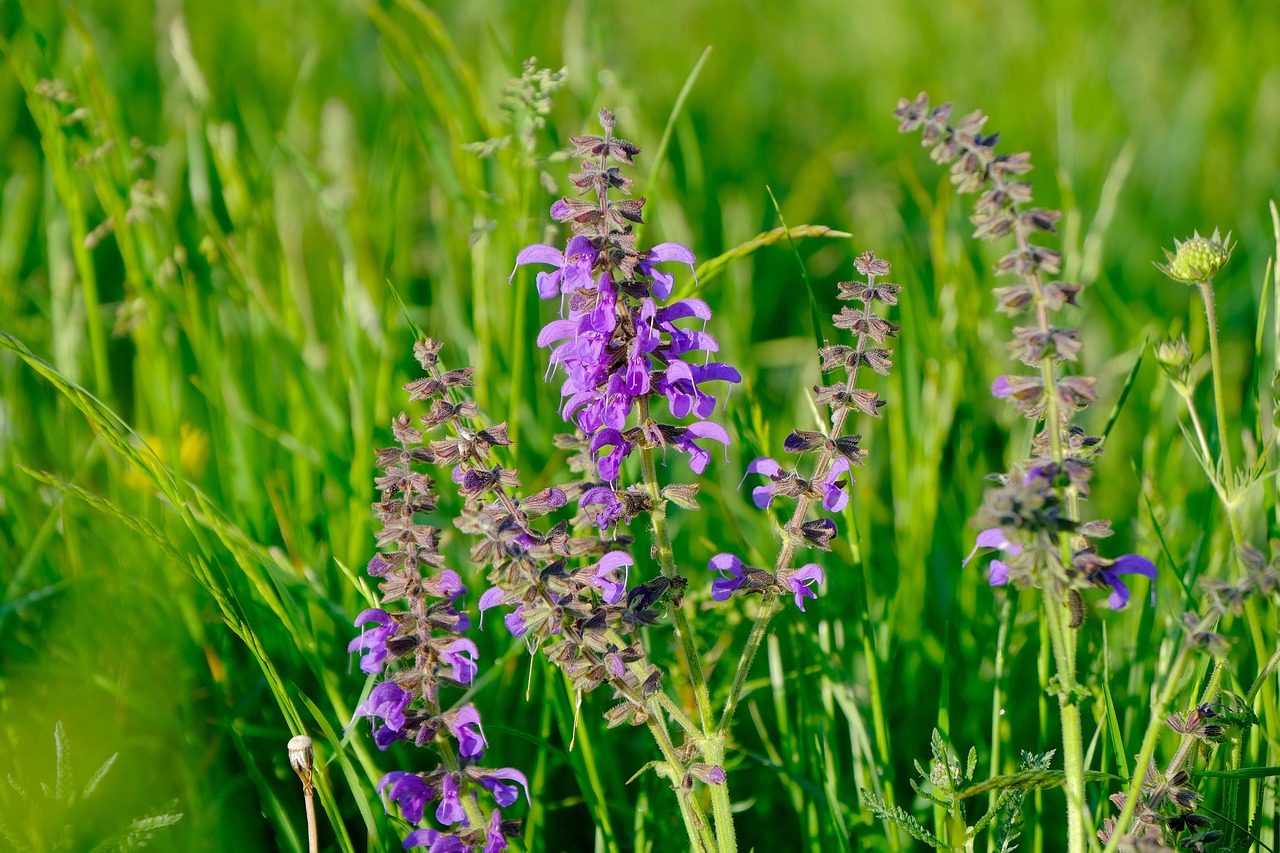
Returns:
(418,645)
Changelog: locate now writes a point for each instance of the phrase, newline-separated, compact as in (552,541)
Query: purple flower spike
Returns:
(1129,564)
(803,582)
(606,573)
(722,588)
(409,791)
(505,794)
(373,641)
(461,655)
(450,810)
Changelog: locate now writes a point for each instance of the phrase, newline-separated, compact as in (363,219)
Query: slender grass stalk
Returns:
(302,760)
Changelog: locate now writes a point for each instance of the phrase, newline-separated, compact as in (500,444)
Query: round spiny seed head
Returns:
(1198,259)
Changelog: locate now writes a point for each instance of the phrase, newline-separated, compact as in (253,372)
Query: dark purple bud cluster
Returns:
(420,647)
(1038,499)
(836,454)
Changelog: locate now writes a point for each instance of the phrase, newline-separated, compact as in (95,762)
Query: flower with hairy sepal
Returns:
(387,701)
(663,283)
(993,537)
(373,642)
(830,487)
(435,841)
(736,575)
(1100,571)
(409,791)
(801,582)
(497,831)
(1199,259)
(460,656)
(610,575)
(464,725)
(450,810)
(573,266)
(498,782)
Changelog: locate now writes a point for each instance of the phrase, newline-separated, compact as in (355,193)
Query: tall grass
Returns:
(191,394)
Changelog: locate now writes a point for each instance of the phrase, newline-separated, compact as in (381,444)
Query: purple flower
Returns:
(663,283)
(602,496)
(491,598)
(445,584)
(496,840)
(1001,388)
(573,266)
(464,725)
(802,581)
(834,497)
(1129,564)
(610,464)
(373,641)
(515,622)
(388,701)
(460,654)
(698,457)
(450,810)
(762,496)
(722,588)
(504,794)
(605,576)
(435,841)
(994,537)
(409,791)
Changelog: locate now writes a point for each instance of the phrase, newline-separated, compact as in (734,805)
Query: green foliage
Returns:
(204,209)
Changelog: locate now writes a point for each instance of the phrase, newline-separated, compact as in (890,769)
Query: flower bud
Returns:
(1174,358)
(1198,259)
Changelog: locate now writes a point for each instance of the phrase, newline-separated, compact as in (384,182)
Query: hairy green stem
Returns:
(1061,633)
(667,562)
(711,742)
(1219,395)
(695,823)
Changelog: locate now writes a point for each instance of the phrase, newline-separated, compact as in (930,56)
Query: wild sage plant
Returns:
(423,641)
(572,589)
(1034,514)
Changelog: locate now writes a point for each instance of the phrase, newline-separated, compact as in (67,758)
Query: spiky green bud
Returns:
(1174,357)
(1198,259)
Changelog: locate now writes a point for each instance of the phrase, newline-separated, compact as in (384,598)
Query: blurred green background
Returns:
(202,206)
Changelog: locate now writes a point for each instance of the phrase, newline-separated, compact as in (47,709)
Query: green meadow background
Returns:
(190,395)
